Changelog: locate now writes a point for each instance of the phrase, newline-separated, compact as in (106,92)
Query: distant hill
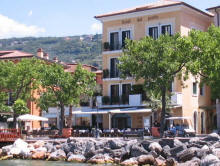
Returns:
(85,49)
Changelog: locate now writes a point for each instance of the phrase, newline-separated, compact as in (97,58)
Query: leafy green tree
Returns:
(158,62)
(17,80)
(20,107)
(206,61)
(61,89)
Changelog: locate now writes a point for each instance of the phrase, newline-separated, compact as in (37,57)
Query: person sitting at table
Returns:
(156,124)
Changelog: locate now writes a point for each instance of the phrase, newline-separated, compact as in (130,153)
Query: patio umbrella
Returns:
(28,117)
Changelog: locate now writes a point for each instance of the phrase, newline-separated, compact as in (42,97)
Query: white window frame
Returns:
(120,87)
(159,26)
(152,26)
(193,94)
(165,25)
(203,90)
(120,30)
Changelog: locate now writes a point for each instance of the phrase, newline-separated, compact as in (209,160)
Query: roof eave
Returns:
(99,17)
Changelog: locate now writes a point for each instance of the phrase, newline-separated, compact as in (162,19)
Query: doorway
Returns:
(121,121)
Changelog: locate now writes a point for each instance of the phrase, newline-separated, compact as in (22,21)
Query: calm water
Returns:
(39,163)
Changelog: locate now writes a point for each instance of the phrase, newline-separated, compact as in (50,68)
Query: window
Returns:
(194,88)
(114,94)
(114,72)
(153,32)
(114,41)
(125,35)
(166,29)
(156,31)
(126,89)
(202,90)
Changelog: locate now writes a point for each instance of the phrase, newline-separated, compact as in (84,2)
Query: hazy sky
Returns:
(20,18)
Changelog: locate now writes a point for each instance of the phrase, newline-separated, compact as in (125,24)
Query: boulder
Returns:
(38,144)
(145,159)
(137,151)
(201,153)
(216,152)
(76,158)
(166,152)
(159,161)
(175,150)
(15,152)
(39,155)
(171,162)
(116,153)
(209,160)
(89,150)
(67,147)
(194,140)
(50,148)
(186,155)
(130,162)
(116,143)
(19,143)
(41,149)
(212,137)
(6,150)
(215,145)
(101,159)
(57,155)
(177,142)
(194,162)
(146,144)
(155,147)
(70,139)
(25,153)
(164,141)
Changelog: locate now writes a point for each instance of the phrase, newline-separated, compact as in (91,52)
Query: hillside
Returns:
(84,49)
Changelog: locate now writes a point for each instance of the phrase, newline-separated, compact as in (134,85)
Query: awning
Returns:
(115,111)
(28,117)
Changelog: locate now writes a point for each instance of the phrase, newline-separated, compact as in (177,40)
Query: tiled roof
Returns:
(154,5)
(215,7)
(10,54)
(72,67)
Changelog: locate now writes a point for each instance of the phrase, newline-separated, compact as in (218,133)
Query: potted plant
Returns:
(106,46)
(106,100)
(105,73)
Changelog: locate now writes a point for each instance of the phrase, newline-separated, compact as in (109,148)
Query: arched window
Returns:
(195,120)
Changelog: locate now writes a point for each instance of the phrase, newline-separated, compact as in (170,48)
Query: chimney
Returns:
(55,59)
(40,52)
(46,55)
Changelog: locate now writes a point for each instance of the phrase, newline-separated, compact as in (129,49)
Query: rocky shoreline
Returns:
(164,152)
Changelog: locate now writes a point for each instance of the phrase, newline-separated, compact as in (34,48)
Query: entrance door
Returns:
(114,94)
(126,89)
(122,123)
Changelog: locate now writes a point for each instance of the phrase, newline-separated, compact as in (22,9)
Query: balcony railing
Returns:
(111,47)
(176,98)
(124,100)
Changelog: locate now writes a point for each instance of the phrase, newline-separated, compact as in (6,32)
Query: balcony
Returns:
(120,101)
(108,47)
(176,99)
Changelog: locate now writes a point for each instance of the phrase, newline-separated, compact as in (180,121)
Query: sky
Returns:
(21,18)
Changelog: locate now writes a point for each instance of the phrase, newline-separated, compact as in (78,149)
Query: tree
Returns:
(157,62)
(17,80)
(206,61)
(61,89)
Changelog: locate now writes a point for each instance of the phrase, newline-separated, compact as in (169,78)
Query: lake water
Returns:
(40,163)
